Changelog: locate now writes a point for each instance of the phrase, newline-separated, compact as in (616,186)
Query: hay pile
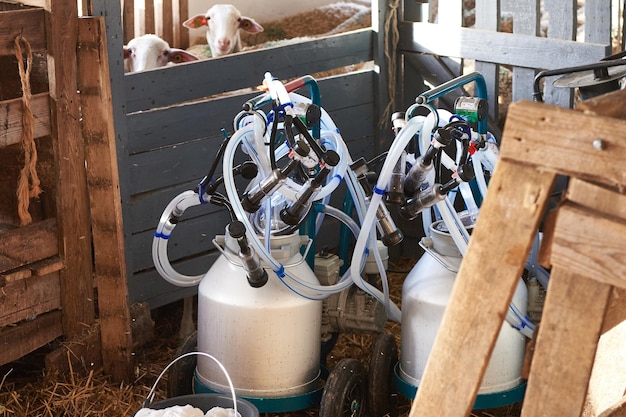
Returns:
(323,21)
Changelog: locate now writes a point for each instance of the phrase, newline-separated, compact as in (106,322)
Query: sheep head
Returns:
(149,52)
(223,22)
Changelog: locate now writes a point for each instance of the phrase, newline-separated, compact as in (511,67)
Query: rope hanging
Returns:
(392,37)
(28,183)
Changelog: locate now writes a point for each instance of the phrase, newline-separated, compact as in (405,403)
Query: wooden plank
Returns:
(18,341)
(539,132)
(611,104)
(28,244)
(169,126)
(11,118)
(192,238)
(525,22)
(497,47)
(562,28)
(233,72)
(46,266)
(500,243)
(584,240)
(188,162)
(616,313)
(36,3)
(488,18)
(146,209)
(106,210)
(72,203)
(596,197)
(28,298)
(14,275)
(27,22)
(168,21)
(184,163)
(566,344)
(183,14)
(598,21)
(160,292)
(178,125)
(150,26)
(128,10)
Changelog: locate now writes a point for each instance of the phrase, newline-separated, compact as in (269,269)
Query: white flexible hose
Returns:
(164,230)
(412,127)
(302,288)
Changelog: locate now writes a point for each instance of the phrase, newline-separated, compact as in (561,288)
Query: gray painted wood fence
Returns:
(168,121)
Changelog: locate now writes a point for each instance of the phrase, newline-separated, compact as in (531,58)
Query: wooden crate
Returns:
(45,263)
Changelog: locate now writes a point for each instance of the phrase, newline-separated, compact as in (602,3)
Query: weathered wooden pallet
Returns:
(587,259)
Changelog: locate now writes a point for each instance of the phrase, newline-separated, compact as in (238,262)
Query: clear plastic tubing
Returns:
(307,290)
(412,127)
(164,230)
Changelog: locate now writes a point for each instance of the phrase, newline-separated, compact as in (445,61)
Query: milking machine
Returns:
(262,311)
(457,143)
(268,308)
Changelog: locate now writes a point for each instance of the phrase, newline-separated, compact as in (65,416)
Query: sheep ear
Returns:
(196,22)
(250,25)
(178,55)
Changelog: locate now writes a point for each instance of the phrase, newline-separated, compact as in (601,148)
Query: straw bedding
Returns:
(26,389)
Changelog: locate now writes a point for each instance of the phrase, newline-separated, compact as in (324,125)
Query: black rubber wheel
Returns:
(180,374)
(345,391)
(382,396)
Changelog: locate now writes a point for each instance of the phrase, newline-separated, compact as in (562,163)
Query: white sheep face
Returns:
(149,51)
(223,22)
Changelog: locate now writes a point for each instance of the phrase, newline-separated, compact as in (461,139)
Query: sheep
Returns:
(149,52)
(223,22)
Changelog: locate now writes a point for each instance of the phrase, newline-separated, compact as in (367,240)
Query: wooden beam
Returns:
(149,19)
(11,118)
(183,15)
(596,197)
(17,341)
(616,312)
(27,22)
(501,240)
(585,239)
(72,203)
(566,344)
(128,20)
(503,48)
(168,22)
(106,205)
(610,105)
(566,141)
(28,244)
(28,298)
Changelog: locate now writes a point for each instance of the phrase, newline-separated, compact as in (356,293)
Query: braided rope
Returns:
(28,183)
